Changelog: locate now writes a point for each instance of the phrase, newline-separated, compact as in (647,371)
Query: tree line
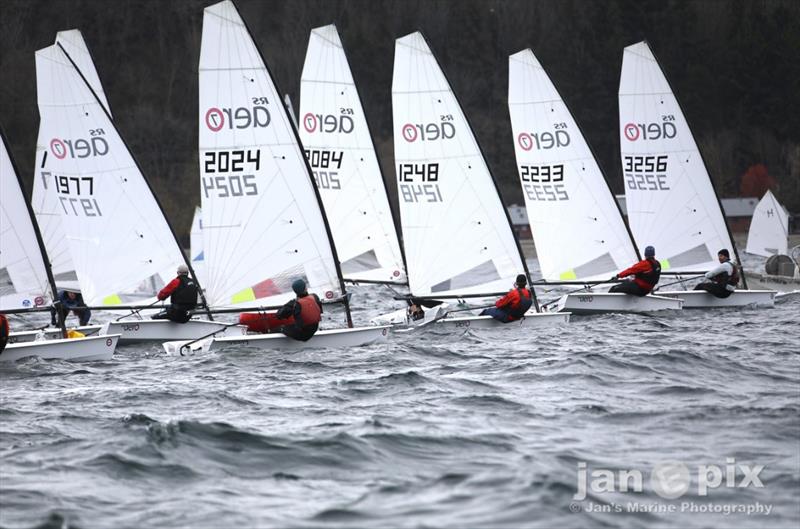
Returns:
(732,63)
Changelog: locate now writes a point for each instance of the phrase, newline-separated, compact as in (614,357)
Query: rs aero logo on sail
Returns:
(94,145)
(651,131)
(545,140)
(255,116)
(444,130)
(329,123)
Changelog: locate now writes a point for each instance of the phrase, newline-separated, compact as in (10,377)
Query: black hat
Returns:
(522,280)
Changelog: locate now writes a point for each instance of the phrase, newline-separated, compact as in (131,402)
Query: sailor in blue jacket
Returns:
(72,301)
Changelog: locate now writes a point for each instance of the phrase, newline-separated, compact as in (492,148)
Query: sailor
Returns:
(4,332)
(513,305)
(182,293)
(306,310)
(71,301)
(645,274)
(722,279)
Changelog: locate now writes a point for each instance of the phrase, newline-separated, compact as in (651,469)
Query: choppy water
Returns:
(483,429)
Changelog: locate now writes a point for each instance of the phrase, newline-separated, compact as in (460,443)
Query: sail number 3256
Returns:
(646,173)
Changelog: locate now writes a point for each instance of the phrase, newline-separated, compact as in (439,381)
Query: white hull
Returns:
(605,302)
(531,320)
(331,338)
(51,333)
(163,330)
(697,299)
(77,349)
(769,282)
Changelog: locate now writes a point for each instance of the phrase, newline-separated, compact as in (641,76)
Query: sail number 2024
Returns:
(218,166)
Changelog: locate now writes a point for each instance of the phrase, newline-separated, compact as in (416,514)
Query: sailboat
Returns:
(577,226)
(769,237)
(121,245)
(769,228)
(26,282)
(457,235)
(670,198)
(340,150)
(263,222)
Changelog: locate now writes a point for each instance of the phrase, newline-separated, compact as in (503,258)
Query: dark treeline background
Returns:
(734,65)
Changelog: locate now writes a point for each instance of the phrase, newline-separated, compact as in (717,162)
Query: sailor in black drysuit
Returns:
(182,293)
(722,279)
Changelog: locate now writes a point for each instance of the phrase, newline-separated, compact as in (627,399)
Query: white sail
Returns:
(669,196)
(196,253)
(46,204)
(262,223)
(769,228)
(456,233)
(576,224)
(23,277)
(120,243)
(340,151)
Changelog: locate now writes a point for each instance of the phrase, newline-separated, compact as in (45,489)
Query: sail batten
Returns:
(456,232)
(340,151)
(109,215)
(577,227)
(24,281)
(262,223)
(670,198)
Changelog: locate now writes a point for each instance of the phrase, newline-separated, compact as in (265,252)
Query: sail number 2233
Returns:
(543,182)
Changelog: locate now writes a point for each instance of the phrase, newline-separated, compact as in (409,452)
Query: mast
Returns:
(48,269)
(146,181)
(705,166)
(345,297)
(494,181)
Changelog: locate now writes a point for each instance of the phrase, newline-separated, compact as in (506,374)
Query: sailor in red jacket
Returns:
(182,293)
(306,310)
(513,305)
(645,274)
(4,332)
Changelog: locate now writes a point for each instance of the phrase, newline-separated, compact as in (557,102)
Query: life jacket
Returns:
(520,306)
(309,311)
(186,293)
(727,279)
(650,278)
(4,330)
